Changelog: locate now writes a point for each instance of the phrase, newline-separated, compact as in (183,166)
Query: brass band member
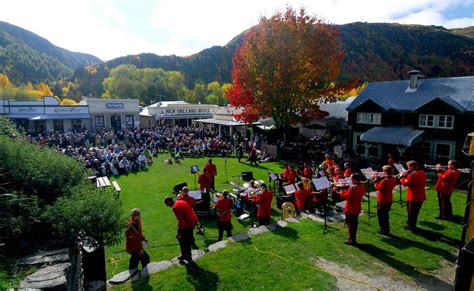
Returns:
(264,201)
(384,187)
(303,198)
(445,186)
(134,241)
(224,214)
(328,165)
(415,180)
(352,209)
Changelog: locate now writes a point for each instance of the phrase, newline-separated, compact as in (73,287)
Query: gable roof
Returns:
(458,92)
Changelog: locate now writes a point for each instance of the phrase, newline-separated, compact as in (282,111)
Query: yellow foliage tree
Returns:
(4,81)
(67,101)
(44,88)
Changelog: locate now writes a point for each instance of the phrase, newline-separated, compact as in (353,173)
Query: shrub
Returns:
(38,171)
(87,210)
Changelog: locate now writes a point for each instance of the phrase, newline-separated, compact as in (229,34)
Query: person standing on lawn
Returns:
(352,209)
(134,241)
(224,214)
(264,202)
(415,180)
(212,171)
(187,220)
(445,186)
(384,187)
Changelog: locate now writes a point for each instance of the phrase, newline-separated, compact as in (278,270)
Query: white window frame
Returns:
(366,147)
(424,119)
(451,145)
(369,118)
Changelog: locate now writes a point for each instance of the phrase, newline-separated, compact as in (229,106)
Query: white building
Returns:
(175,113)
(48,115)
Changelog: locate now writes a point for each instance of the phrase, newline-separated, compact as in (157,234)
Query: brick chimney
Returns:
(414,74)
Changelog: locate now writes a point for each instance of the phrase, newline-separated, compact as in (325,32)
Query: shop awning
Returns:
(19,116)
(222,122)
(61,116)
(396,135)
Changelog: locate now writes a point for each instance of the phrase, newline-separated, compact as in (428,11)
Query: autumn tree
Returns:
(4,82)
(285,67)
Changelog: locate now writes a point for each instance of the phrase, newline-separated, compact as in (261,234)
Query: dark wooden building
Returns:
(422,119)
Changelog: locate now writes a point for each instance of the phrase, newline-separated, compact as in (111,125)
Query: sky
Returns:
(114,28)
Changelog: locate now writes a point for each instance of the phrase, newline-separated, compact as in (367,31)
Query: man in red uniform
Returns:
(187,220)
(224,214)
(184,196)
(348,170)
(445,186)
(134,241)
(352,209)
(291,178)
(384,189)
(415,180)
(303,198)
(307,171)
(328,165)
(264,201)
(212,171)
(204,180)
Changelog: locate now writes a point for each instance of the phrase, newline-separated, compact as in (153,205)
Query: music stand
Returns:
(194,170)
(320,184)
(272,177)
(400,170)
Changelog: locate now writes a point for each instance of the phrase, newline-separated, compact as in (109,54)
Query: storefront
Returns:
(178,112)
(113,113)
(48,115)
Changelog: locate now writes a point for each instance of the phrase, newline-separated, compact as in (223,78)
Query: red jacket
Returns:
(416,182)
(189,200)
(211,169)
(301,197)
(291,177)
(224,209)
(184,213)
(347,172)
(353,197)
(385,188)
(134,236)
(447,180)
(307,173)
(264,201)
(204,181)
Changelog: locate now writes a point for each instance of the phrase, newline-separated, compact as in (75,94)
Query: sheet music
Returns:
(399,168)
(273,176)
(321,183)
(349,181)
(289,188)
(196,195)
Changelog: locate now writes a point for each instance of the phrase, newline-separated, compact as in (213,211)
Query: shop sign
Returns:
(114,105)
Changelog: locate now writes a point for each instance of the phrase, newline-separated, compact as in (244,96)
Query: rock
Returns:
(317,218)
(218,245)
(48,277)
(123,276)
(272,226)
(42,258)
(155,267)
(302,215)
(282,223)
(341,205)
(291,219)
(258,230)
(239,237)
(196,254)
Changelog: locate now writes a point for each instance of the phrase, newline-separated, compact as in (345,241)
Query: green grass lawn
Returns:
(241,266)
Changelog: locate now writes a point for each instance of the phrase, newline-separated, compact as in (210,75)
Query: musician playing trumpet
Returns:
(224,214)
(352,209)
(384,187)
(447,179)
(415,179)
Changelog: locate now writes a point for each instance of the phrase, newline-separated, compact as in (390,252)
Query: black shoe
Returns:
(194,247)
(180,258)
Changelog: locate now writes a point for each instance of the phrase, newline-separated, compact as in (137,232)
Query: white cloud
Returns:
(184,27)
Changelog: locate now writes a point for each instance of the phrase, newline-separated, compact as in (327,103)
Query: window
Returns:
(366,150)
(129,121)
(442,152)
(99,122)
(58,125)
(436,121)
(369,118)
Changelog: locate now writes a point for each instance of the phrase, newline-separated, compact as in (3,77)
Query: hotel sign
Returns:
(66,109)
(114,105)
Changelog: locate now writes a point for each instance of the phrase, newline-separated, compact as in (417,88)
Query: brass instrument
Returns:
(288,210)
(435,167)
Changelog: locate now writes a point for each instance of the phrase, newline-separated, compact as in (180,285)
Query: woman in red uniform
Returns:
(224,214)
(384,189)
(353,197)
(415,180)
(134,241)
(445,186)
(264,201)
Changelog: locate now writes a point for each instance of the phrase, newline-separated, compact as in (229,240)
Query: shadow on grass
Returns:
(142,284)
(432,225)
(200,278)
(288,233)
(422,279)
(435,236)
(403,243)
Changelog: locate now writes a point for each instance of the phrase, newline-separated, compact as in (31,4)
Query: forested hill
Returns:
(374,52)
(25,56)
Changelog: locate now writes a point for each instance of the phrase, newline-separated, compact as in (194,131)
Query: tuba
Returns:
(288,210)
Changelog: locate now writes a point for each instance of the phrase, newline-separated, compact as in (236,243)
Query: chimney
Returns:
(414,74)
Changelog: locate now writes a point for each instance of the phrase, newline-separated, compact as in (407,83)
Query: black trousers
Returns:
(186,240)
(383,210)
(413,209)
(224,225)
(135,258)
(352,224)
(263,220)
(445,206)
